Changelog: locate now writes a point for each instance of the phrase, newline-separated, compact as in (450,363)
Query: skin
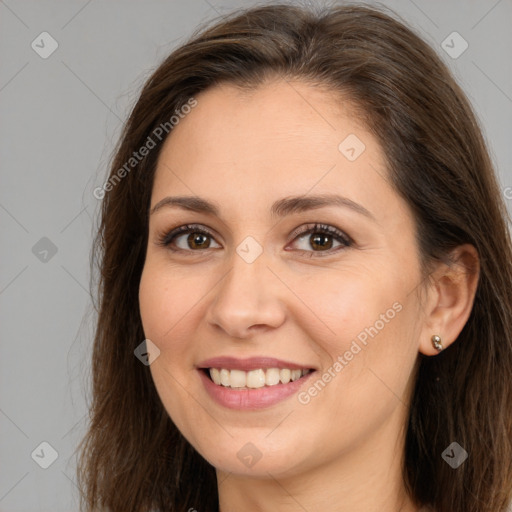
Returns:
(296,301)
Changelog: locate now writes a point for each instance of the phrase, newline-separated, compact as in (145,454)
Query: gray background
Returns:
(59,120)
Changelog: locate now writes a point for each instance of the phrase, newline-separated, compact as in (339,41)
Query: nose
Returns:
(248,300)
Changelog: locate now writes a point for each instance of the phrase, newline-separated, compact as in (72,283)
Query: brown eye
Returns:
(322,238)
(188,238)
(198,241)
(321,241)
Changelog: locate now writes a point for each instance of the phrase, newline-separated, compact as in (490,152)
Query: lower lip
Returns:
(251,398)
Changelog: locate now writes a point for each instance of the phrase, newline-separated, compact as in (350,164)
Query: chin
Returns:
(255,459)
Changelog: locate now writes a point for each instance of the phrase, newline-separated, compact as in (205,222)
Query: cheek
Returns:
(343,304)
(363,330)
(167,310)
(165,304)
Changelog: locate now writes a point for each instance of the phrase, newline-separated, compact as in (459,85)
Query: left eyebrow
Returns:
(295,204)
(280,208)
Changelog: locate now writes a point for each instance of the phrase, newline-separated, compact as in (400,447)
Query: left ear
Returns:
(451,297)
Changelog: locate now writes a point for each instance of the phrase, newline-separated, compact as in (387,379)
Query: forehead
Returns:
(290,111)
(280,125)
(249,148)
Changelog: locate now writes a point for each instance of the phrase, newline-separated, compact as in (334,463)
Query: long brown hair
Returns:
(133,458)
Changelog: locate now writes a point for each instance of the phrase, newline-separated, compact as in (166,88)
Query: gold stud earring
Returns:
(436,342)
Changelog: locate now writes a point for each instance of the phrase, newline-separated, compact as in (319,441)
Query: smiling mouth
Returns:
(254,379)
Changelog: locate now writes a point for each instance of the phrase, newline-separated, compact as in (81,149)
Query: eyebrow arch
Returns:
(280,208)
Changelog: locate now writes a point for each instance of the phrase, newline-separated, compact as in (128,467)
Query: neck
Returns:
(367,478)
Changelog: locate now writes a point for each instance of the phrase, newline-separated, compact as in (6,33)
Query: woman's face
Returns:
(265,294)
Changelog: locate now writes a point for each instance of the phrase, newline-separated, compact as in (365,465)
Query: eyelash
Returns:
(167,238)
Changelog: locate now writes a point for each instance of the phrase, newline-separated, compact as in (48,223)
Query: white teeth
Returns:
(215,375)
(224,377)
(237,379)
(285,375)
(254,379)
(272,377)
(296,374)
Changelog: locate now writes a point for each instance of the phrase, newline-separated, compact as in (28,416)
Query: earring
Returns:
(436,342)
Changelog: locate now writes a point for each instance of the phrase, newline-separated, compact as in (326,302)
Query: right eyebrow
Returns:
(192,203)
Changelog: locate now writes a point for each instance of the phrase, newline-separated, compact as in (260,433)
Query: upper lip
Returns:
(250,363)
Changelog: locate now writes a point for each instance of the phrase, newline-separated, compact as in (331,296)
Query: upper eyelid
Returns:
(182,230)
(305,229)
(302,230)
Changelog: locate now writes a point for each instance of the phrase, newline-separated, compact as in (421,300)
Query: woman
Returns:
(305,293)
